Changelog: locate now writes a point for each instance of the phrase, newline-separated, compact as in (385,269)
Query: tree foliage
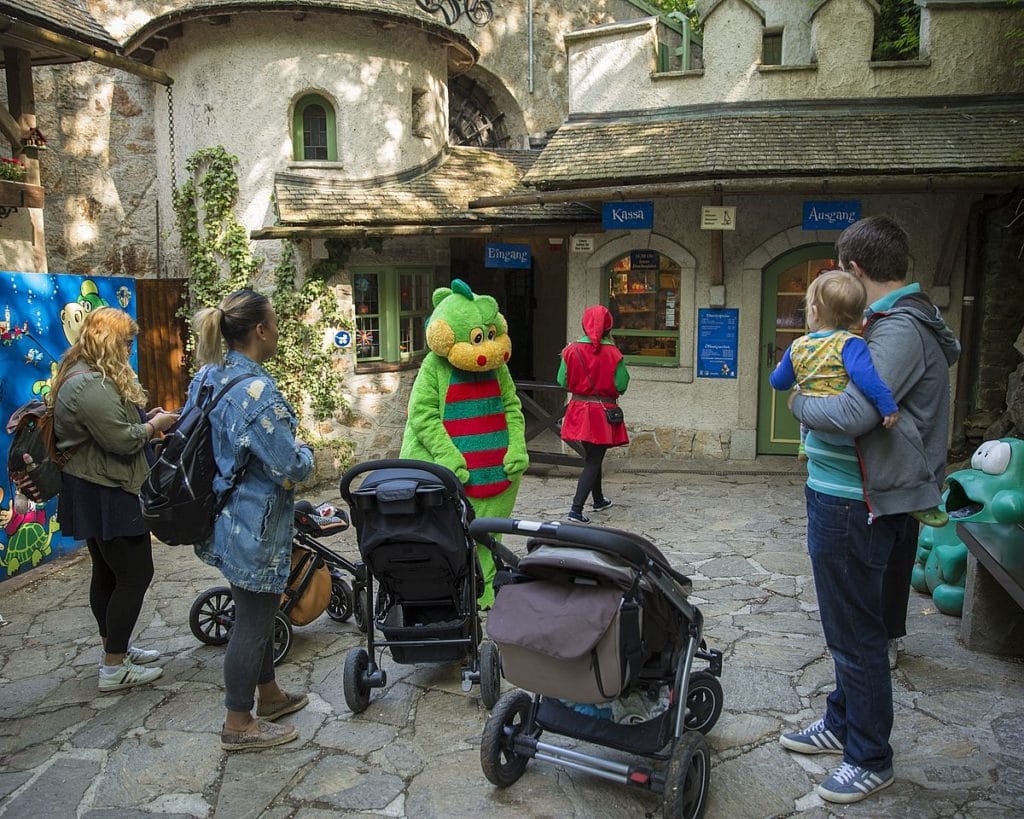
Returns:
(687,7)
(897,31)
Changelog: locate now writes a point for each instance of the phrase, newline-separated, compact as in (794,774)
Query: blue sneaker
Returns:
(577,517)
(814,739)
(604,503)
(851,783)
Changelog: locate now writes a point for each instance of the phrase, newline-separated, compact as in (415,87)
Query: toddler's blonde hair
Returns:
(839,299)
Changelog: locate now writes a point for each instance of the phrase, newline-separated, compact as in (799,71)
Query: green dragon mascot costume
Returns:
(464,412)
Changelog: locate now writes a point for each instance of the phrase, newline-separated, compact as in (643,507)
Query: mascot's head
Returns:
(467,329)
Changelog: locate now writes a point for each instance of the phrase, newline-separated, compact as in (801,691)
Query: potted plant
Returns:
(12,170)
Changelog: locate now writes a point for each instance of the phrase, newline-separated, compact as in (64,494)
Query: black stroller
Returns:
(412,525)
(213,612)
(595,622)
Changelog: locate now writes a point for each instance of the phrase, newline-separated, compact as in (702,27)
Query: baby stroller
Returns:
(593,616)
(213,611)
(412,526)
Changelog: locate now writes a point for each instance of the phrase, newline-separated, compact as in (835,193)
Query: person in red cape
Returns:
(594,375)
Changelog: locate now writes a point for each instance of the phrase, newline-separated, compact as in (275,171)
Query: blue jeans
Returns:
(249,659)
(850,558)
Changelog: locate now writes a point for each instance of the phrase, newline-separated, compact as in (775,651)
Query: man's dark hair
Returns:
(879,246)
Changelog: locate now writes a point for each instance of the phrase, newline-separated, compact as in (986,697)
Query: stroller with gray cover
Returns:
(593,618)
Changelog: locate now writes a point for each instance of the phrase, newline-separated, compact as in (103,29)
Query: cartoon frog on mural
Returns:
(991,491)
(464,412)
(72,316)
(27,541)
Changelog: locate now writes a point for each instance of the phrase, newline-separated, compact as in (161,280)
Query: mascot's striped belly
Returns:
(474,418)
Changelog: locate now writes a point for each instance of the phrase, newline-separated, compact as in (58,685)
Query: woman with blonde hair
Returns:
(99,420)
(258,462)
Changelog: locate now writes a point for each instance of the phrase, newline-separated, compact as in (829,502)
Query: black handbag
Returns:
(614,415)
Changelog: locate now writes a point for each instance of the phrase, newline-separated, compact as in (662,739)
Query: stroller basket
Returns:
(641,738)
(404,625)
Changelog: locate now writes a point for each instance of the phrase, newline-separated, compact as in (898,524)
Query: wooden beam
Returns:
(20,195)
(11,129)
(824,185)
(951,241)
(389,231)
(66,45)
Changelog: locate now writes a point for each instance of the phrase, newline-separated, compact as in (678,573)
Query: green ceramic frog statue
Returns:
(991,491)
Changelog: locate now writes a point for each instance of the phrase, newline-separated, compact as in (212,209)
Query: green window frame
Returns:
(314,132)
(645,303)
(391,306)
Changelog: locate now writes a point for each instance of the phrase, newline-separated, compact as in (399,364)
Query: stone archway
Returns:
(482,112)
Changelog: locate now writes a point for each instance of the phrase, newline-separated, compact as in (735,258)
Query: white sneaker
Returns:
(143,656)
(894,648)
(126,675)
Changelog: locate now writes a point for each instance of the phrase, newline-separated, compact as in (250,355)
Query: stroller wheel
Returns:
(501,763)
(361,606)
(490,674)
(212,615)
(703,702)
(357,689)
(687,777)
(282,636)
(341,606)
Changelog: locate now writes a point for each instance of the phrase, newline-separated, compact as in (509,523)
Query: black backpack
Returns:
(29,463)
(33,460)
(178,501)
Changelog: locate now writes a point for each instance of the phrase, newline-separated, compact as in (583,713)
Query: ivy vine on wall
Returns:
(216,245)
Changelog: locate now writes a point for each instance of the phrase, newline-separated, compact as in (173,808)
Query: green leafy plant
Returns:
(897,31)
(12,170)
(216,245)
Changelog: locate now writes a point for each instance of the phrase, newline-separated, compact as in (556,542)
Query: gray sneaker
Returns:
(126,675)
(851,783)
(814,739)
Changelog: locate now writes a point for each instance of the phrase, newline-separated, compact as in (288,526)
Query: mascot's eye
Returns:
(476,336)
(992,457)
(491,333)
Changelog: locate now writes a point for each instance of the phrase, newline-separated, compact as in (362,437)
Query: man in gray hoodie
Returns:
(860,536)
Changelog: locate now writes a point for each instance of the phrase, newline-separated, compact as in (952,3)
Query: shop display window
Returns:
(644,300)
(391,306)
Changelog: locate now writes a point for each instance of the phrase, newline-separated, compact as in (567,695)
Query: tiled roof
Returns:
(437,196)
(405,10)
(68,17)
(953,135)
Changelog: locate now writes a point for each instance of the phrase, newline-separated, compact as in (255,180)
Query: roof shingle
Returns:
(68,17)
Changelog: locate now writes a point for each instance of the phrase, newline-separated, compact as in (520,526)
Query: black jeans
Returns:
(590,478)
(249,660)
(122,569)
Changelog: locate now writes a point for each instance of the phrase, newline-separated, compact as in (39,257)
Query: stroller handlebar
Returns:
(631,547)
(442,473)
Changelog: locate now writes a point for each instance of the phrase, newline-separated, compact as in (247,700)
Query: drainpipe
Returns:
(966,375)
(529,46)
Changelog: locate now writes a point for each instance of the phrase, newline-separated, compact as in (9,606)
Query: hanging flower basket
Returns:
(12,170)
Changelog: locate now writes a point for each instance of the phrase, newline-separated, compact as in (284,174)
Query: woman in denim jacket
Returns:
(255,448)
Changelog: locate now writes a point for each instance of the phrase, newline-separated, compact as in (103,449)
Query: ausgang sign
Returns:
(498,254)
(830,215)
(627,215)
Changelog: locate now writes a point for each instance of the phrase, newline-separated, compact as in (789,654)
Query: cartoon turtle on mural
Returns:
(29,544)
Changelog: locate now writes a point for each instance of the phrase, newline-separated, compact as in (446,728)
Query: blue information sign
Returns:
(498,254)
(627,215)
(342,338)
(830,215)
(717,342)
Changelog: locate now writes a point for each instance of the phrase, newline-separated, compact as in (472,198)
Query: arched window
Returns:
(314,130)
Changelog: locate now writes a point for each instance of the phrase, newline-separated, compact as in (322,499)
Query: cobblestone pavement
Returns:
(154,750)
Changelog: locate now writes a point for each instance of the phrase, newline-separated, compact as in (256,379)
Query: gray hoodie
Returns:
(912,349)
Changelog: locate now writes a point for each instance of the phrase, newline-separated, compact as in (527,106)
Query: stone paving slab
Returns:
(66,750)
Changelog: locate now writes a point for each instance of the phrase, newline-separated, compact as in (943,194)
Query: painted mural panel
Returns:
(41,315)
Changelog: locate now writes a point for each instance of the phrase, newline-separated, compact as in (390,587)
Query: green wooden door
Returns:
(782,320)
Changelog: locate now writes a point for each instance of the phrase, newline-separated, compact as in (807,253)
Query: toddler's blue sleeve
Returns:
(863,374)
(783,377)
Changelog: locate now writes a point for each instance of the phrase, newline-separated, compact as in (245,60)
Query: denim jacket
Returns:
(253,438)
